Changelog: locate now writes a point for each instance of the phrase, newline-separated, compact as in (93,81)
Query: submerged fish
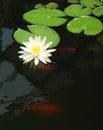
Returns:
(67,49)
(40,66)
(44,108)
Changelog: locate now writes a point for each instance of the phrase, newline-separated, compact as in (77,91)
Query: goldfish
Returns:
(67,49)
(40,66)
(44,108)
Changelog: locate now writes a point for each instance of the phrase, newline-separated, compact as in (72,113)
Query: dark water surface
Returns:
(67,97)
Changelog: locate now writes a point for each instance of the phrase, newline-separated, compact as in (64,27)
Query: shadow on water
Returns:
(66,97)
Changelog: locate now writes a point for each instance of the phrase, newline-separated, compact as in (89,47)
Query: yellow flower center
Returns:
(36,49)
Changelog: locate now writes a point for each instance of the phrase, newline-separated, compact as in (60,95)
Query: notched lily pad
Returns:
(22,35)
(36,30)
(90,25)
(98,11)
(91,3)
(43,31)
(46,17)
(77,10)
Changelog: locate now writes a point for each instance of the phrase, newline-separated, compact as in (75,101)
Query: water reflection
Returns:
(14,87)
(6,37)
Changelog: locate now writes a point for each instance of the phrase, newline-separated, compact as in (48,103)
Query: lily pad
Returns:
(90,25)
(73,1)
(43,31)
(37,6)
(36,30)
(91,3)
(52,5)
(77,10)
(46,17)
(22,35)
(98,11)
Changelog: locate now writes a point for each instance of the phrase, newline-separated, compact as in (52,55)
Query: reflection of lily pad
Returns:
(100,38)
(91,3)
(77,10)
(36,30)
(98,11)
(96,47)
(90,25)
(46,17)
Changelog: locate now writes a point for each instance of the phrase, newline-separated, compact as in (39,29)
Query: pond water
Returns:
(68,95)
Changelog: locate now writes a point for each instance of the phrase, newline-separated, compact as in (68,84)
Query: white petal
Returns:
(26,53)
(21,52)
(36,61)
(37,40)
(31,40)
(25,49)
(50,50)
(42,59)
(46,46)
(30,56)
(26,44)
(46,54)
(48,60)
(43,41)
(28,60)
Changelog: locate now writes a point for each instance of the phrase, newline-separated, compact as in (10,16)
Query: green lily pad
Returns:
(43,31)
(46,17)
(90,25)
(37,6)
(98,11)
(52,5)
(73,1)
(77,10)
(91,3)
(36,30)
(22,35)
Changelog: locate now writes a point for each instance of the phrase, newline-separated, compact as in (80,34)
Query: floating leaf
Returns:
(77,10)
(36,30)
(91,3)
(73,1)
(98,11)
(53,5)
(37,6)
(46,17)
(90,25)
(43,31)
(22,35)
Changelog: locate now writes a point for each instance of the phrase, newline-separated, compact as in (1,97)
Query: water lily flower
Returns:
(36,49)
